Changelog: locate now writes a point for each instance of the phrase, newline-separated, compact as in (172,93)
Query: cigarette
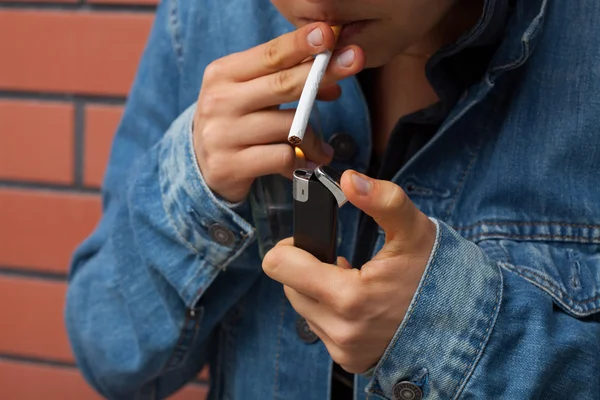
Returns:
(309,93)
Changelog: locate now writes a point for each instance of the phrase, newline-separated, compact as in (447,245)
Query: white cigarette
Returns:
(309,94)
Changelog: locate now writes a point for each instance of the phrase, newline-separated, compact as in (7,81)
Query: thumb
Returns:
(385,201)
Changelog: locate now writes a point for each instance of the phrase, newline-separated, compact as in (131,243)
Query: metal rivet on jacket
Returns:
(344,146)
(407,391)
(304,332)
(221,234)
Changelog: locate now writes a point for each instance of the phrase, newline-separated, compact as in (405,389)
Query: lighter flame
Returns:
(299,153)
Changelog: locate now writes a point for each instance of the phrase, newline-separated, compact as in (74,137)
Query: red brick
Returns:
(32,315)
(191,392)
(101,122)
(71,51)
(27,381)
(142,2)
(38,1)
(36,141)
(41,229)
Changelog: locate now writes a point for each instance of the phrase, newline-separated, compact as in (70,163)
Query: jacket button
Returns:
(221,234)
(343,145)
(304,332)
(407,391)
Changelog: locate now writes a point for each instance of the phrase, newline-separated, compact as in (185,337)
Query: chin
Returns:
(377,54)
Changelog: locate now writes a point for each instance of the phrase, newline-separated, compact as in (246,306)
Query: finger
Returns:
(329,93)
(315,149)
(273,126)
(281,53)
(321,320)
(262,127)
(269,159)
(311,310)
(304,273)
(343,263)
(385,201)
(286,85)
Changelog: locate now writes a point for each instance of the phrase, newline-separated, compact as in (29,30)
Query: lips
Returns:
(349,27)
(333,22)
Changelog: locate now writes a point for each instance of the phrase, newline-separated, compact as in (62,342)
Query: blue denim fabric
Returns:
(508,307)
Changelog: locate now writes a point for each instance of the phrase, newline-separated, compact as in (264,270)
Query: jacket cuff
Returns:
(447,324)
(212,229)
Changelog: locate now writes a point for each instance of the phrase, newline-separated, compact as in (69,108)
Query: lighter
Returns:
(317,197)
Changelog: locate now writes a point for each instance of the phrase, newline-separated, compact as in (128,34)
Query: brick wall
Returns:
(65,69)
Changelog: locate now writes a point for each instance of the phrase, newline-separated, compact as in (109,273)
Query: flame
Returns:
(337,29)
(299,153)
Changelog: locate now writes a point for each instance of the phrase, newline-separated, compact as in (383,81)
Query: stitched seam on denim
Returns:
(180,340)
(463,178)
(182,335)
(425,281)
(278,353)
(230,352)
(465,40)
(174,29)
(568,238)
(485,339)
(552,288)
(526,50)
(523,223)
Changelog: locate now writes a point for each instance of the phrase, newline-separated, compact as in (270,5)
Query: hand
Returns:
(356,312)
(239,134)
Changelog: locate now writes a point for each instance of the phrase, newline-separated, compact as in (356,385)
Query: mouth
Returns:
(349,27)
(333,22)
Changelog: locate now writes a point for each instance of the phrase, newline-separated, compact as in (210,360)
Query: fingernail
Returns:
(362,186)
(346,59)
(315,37)
(327,149)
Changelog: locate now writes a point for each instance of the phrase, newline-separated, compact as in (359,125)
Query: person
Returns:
(467,134)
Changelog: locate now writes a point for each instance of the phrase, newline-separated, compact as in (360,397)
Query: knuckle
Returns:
(349,303)
(347,337)
(209,103)
(283,83)
(273,55)
(217,169)
(397,197)
(213,71)
(212,137)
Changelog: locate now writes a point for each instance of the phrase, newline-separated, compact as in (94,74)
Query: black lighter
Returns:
(317,197)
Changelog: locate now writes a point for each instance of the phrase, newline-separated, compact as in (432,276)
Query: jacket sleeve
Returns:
(149,285)
(506,319)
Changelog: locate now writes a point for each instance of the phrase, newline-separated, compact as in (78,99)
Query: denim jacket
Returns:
(508,306)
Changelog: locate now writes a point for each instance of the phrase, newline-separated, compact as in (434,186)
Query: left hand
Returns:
(356,312)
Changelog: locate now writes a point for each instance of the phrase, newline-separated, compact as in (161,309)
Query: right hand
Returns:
(239,134)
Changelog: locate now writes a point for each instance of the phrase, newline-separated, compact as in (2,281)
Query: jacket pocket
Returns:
(569,272)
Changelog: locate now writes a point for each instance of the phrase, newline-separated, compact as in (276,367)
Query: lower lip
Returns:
(352,29)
